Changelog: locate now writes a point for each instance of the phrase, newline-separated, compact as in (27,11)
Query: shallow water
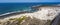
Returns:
(13,7)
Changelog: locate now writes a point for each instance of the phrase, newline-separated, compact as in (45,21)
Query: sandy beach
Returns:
(43,15)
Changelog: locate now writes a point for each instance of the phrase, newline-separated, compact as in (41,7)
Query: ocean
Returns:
(14,7)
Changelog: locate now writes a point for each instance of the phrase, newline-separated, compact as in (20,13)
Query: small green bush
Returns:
(19,19)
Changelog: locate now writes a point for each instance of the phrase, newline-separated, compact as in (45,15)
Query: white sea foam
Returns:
(13,12)
(8,13)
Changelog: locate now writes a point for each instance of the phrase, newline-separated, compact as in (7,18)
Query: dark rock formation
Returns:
(56,21)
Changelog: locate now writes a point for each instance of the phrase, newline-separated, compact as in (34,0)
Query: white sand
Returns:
(41,14)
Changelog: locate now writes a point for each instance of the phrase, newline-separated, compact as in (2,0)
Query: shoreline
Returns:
(11,14)
(41,14)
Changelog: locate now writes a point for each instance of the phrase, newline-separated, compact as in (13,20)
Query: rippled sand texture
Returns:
(44,15)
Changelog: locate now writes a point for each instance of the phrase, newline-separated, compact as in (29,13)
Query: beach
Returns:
(44,16)
(44,13)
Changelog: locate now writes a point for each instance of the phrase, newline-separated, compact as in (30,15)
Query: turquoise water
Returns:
(12,7)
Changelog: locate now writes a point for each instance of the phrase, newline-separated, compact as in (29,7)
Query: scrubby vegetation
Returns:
(19,19)
(27,21)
